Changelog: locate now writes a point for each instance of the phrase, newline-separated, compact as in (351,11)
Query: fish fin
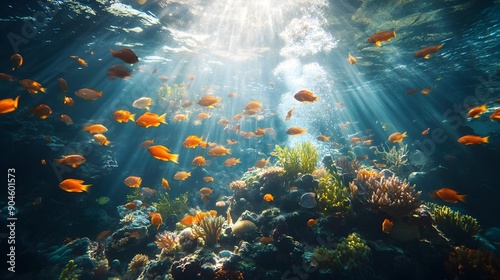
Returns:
(85,188)
(483,107)
(147,108)
(229,151)
(174,158)
(485,139)
(427,56)
(74,165)
(388,40)
(394,33)
(99,94)
(462,197)
(42,90)
(378,44)
(162,119)
(113,52)
(16,101)
(132,117)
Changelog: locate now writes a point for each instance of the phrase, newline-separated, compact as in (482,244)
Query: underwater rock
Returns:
(306,183)
(439,176)
(404,232)
(243,228)
(250,216)
(155,268)
(187,268)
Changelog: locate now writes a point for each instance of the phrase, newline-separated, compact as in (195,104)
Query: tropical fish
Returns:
(17,61)
(387,226)
(66,119)
(5,77)
(165,184)
(476,111)
(261,163)
(8,105)
(198,161)
(88,94)
(133,181)
(62,84)
(32,86)
(396,137)
(143,103)
(351,59)
(322,138)
(305,96)
(425,131)
(101,139)
(156,219)
(448,195)
(426,90)
(123,116)
(149,119)
(71,160)
(130,205)
(427,51)
(289,114)
(187,220)
(163,153)
(147,143)
(42,111)
(268,197)
(192,141)
(180,117)
(232,94)
(102,235)
(295,130)
(205,194)
(208,179)
(202,116)
(209,101)
(312,222)
(119,71)
(367,142)
(266,240)
(259,132)
(146,192)
(220,203)
(127,55)
(219,151)
(473,140)
(384,36)
(44,162)
(495,116)
(308,200)
(182,175)
(231,161)
(95,128)
(102,200)
(74,185)
(79,60)
(69,101)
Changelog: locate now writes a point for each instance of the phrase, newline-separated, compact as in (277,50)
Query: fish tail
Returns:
(462,197)
(42,90)
(158,227)
(99,94)
(162,119)
(485,139)
(132,117)
(113,52)
(16,101)
(173,158)
(85,188)
(483,107)
(394,33)
(229,151)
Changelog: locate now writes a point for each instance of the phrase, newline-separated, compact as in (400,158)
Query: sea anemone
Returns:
(209,229)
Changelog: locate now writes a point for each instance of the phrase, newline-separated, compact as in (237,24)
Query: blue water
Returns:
(263,50)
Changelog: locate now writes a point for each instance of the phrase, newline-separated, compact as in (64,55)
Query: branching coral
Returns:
(272,174)
(301,159)
(167,207)
(138,262)
(348,166)
(465,263)
(394,157)
(209,229)
(166,240)
(350,254)
(390,195)
(331,193)
(461,228)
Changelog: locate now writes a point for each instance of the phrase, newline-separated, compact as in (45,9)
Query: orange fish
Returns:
(209,101)
(180,117)
(66,119)
(187,220)
(8,105)
(266,240)
(5,77)
(322,138)
(208,179)
(119,71)
(42,111)
(219,151)
(165,184)
(295,130)
(259,132)
(71,160)
(425,131)
(188,103)
(79,60)
(123,116)
(268,197)
(261,163)
(127,55)
(396,137)
(237,117)
(351,59)
(253,106)
(192,141)
(17,61)
(231,161)
(387,226)
(199,161)
(448,195)
(426,90)
(88,94)
(62,84)
(289,114)
(205,194)
(74,185)
(427,51)
(95,128)
(163,153)
(476,111)
(103,234)
(133,181)
(312,222)
(231,141)
(147,143)
(232,94)
(182,175)
(495,116)
(355,140)
(32,86)
(202,116)
(130,205)
(150,119)
(44,162)
(101,139)
(367,142)
(384,36)
(69,101)
(156,219)
(305,96)
(473,140)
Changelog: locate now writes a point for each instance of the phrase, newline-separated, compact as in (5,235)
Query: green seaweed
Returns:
(394,157)
(332,195)
(135,195)
(300,159)
(167,207)
(69,271)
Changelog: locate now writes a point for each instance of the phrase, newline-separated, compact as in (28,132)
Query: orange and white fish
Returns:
(143,103)
(351,59)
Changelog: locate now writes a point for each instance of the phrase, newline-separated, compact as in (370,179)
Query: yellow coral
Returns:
(139,261)
(301,159)
(332,195)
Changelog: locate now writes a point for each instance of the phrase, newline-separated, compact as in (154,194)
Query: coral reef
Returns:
(209,229)
(138,263)
(394,157)
(390,195)
(69,271)
(301,159)
(466,263)
(272,174)
(455,225)
(167,207)
(331,194)
(243,227)
(166,241)
(347,166)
